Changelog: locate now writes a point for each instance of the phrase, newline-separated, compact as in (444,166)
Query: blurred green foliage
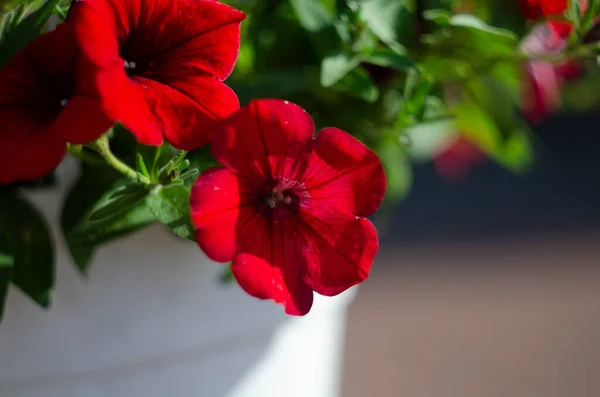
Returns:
(388,70)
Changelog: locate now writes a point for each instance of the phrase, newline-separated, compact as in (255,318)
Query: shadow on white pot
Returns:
(154,320)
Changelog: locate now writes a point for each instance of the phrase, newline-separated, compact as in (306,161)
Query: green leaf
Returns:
(472,22)
(312,14)
(334,67)
(387,58)
(85,240)
(590,14)
(171,207)
(440,16)
(6,260)
(416,96)
(326,33)
(97,184)
(506,15)
(120,200)
(26,238)
(90,186)
(156,158)
(463,45)
(391,20)
(358,83)
(274,84)
(31,27)
(573,13)
(141,165)
(511,149)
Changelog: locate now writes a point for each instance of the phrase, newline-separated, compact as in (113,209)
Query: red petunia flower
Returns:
(455,160)
(544,79)
(288,208)
(160,65)
(46,100)
(534,9)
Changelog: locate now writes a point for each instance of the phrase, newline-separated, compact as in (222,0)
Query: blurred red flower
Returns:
(46,100)
(544,79)
(534,9)
(160,64)
(288,208)
(455,160)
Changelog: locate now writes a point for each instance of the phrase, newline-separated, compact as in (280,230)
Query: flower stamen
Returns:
(277,197)
(129,65)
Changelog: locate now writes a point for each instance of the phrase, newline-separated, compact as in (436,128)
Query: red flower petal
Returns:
(457,158)
(178,110)
(36,120)
(542,95)
(338,249)
(178,49)
(544,79)
(270,264)
(124,100)
(534,9)
(266,137)
(343,173)
(82,120)
(289,213)
(27,150)
(215,202)
(264,281)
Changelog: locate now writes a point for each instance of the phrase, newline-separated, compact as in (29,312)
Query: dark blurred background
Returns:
(560,193)
(489,286)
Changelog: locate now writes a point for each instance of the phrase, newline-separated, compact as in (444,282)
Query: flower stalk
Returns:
(102,147)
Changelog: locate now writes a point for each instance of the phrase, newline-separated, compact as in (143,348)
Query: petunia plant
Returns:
(165,127)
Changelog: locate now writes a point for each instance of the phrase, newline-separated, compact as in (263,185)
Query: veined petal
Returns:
(215,209)
(338,249)
(269,263)
(186,121)
(268,137)
(42,106)
(343,173)
(27,150)
(264,280)
(175,52)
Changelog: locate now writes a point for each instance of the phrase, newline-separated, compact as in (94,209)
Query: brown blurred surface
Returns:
(510,319)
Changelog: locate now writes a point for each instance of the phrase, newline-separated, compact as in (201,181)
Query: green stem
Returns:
(77,152)
(102,147)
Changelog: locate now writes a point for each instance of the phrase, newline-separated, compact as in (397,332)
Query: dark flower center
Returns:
(58,100)
(280,197)
(133,68)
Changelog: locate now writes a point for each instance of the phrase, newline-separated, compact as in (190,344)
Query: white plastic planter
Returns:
(153,320)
